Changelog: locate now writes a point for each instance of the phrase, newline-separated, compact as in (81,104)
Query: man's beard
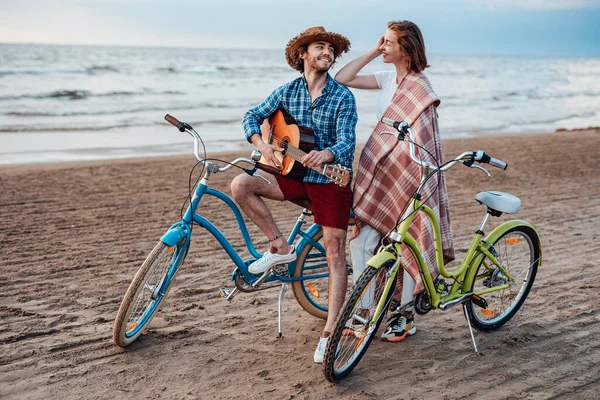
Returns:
(314,64)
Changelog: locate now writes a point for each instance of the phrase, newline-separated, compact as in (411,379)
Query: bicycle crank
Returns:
(244,286)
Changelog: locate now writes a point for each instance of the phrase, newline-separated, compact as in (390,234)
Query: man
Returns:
(316,101)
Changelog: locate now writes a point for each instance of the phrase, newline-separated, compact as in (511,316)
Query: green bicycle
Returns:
(491,283)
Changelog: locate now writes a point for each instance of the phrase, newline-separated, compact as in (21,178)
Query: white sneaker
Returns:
(320,351)
(270,259)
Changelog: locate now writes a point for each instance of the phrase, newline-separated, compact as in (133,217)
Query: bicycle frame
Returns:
(180,233)
(464,274)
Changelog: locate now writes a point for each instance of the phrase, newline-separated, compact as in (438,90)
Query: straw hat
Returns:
(340,43)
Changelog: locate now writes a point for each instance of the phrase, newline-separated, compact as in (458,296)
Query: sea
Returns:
(75,103)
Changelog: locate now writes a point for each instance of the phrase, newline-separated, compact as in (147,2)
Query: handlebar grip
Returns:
(498,163)
(389,122)
(267,168)
(482,157)
(182,126)
(172,120)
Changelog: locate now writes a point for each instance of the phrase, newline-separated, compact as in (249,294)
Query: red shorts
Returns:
(331,203)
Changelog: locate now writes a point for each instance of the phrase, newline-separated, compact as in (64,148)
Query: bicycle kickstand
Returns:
(470,327)
(284,288)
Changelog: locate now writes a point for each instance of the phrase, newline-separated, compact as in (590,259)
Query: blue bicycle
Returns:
(307,276)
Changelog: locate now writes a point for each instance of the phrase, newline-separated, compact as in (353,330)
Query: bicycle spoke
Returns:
(516,252)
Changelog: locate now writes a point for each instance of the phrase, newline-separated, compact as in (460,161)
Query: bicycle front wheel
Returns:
(359,320)
(518,251)
(146,292)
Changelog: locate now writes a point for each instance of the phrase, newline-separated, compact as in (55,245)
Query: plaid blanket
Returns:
(386,177)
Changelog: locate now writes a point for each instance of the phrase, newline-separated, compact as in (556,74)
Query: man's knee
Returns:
(335,245)
(239,187)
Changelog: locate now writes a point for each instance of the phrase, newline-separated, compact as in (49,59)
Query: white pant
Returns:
(362,248)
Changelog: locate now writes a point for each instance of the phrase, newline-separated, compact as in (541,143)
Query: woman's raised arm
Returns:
(349,74)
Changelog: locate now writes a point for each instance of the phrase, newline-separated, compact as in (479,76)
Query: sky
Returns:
(554,28)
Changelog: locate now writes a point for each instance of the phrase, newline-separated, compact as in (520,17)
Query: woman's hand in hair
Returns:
(377,48)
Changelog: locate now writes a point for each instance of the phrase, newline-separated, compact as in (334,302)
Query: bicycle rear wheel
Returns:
(359,320)
(519,254)
(312,293)
(146,292)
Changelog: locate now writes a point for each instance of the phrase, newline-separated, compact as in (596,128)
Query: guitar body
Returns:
(282,130)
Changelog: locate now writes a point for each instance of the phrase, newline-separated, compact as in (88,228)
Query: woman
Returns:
(386,177)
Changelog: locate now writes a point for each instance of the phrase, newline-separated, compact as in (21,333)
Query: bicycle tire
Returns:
(312,295)
(340,340)
(138,308)
(516,248)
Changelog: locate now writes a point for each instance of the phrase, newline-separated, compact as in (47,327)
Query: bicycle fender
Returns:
(379,259)
(502,228)
(174,236)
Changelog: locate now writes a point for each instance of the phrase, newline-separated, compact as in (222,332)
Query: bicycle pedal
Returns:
(479,301)
(280,269)
(228,294)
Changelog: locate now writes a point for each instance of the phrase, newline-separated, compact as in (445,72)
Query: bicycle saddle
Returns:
(499,201)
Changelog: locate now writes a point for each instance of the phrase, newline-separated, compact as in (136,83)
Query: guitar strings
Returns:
(290,150)
(296,154)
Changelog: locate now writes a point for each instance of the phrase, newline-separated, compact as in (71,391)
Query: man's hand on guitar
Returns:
(268,151)
(317,158)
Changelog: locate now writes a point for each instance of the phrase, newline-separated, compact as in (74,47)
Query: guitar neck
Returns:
(336,174)
(296,154)
(293,152)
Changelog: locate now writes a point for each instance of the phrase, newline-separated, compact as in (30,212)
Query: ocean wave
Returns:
(217,121)
(194,70)
(482,99)
(534,95)
(120,125)
(230,103)
(510,126)
(58,70)
(68,113)
(120,109)
(203,69)
(49,129)
(83,94)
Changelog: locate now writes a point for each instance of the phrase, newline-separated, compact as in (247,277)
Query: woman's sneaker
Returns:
(399,327)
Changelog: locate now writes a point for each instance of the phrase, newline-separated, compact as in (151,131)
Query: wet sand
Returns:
(73,235)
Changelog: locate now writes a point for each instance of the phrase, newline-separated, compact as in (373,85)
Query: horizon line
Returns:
(273,48)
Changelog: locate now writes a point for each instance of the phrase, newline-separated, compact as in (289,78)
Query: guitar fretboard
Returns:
(289,150)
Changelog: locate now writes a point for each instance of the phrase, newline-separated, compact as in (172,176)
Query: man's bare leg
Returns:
(335,244)
(248,192)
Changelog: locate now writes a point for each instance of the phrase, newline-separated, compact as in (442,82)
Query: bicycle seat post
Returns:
(487,215)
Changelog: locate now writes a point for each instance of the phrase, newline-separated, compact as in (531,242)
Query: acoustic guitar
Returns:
(282,130)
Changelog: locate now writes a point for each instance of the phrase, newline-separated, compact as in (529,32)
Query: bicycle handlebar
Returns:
(467,158)
(182,126)
(481,156)
(185,127)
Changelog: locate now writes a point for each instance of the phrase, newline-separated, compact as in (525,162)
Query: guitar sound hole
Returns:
(284,144)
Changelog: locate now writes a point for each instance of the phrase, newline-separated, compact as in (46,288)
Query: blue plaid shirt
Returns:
(332,117)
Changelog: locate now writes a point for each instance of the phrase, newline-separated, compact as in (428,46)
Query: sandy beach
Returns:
(73,235)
